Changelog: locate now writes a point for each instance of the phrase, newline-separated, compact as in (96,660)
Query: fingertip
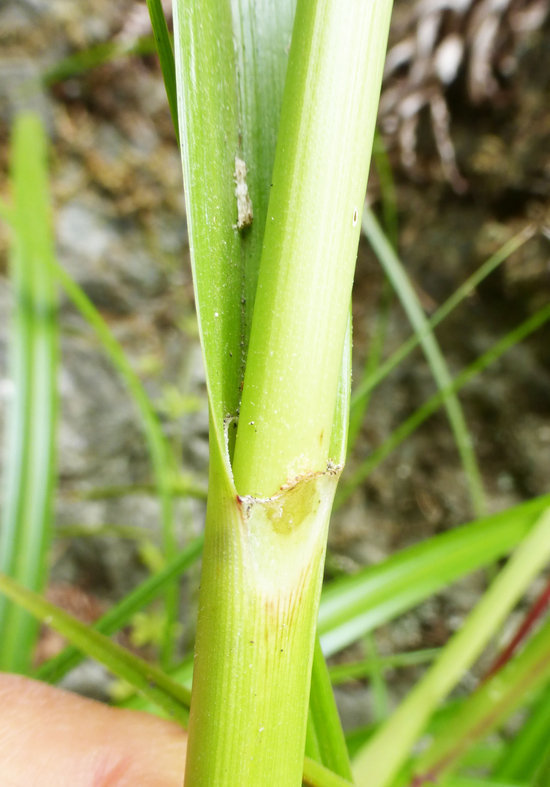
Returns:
(52,737)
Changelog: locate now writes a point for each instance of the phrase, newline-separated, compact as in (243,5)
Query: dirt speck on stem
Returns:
(244,203)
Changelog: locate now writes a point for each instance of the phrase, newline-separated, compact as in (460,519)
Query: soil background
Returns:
(120,228)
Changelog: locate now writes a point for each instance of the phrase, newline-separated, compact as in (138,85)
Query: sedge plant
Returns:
(275,118)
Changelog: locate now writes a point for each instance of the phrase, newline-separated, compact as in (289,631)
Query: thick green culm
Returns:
(266,227)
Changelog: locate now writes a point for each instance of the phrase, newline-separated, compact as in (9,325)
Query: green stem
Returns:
(260,586)
(266,531)
(310,242)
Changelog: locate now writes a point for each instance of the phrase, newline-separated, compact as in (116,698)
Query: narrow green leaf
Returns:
(120,614)
(108,529)
(230,62)
(383,756)
(530,745)
(388,192)
(325,722)
(354,605)
(162,459)
(431,406)
(312,750)
(458,296)
(316,775)
(166,57)
(148,679)
(209,132)
(379,686)
(180,486)
(182,675)
(30,446)
(409,300)
(262,32)
(488,707)
(94,56)
(342,673)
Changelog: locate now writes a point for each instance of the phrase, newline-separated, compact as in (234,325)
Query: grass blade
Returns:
(316,775)
(119,615)
(459,295)
(353,606)
(227,114)
(332,751)
(431,406)
(26,527)
(487,709)
(181,486)
(409,300)
(210,143)
(166,57)
(94,56)
(162,459)
(530,746)
(381,759)
(148,679)
(342,673)
(379,686)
